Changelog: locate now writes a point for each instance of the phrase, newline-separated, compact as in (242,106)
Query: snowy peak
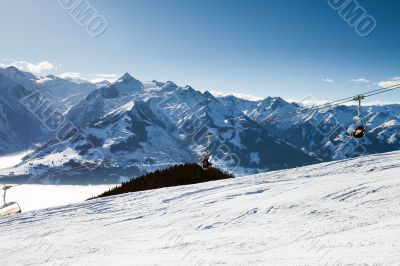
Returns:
(25,79)
(103,83)
(169,86)
(128,85)
(126,78)
(276,102)
(15,73)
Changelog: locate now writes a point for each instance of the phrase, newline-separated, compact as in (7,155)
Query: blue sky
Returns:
(291,49)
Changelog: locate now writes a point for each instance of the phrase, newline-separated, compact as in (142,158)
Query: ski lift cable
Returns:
(335,103)
(350,99)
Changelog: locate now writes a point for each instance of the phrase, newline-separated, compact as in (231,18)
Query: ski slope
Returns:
(337,213)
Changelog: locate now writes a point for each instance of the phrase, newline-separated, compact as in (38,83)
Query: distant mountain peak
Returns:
(157,83)
(126,85)
(126,78)
(170,83)
(25,79)
(51,76)
(189,88)
(103,83)
(12,68)
(208,94)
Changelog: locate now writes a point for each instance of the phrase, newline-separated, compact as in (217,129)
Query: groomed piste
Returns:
(344,212)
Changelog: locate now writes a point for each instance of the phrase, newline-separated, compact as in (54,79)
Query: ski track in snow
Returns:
(336,213)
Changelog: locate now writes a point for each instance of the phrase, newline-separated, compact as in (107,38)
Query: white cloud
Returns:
(37,69)
(388,83)
(94,78)
(105,75)
(71,75)
(248,97)
(328,80)
(360,80)
(97,80)
(308,102)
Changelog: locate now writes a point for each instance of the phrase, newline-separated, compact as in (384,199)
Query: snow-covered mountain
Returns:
(135,127)
(19,128)
(323,133)
(64,93)
(140,127)
(340,213)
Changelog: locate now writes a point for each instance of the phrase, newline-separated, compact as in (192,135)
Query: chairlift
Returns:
(205,162)
(9,208)
(358,129)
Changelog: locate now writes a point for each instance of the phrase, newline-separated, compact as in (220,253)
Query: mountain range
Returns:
(129,127)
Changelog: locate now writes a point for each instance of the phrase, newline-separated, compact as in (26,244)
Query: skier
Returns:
(357,132)
(206,163)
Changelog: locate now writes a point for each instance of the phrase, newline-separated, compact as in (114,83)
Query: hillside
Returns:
(337,213)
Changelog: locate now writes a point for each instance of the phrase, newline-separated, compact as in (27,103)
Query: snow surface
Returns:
(36,197)
(12,160)
(336,213)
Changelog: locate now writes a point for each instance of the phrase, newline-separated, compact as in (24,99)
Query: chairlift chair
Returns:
(9,208)
(358,129)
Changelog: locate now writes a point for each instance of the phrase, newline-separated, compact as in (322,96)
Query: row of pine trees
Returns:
(184,174)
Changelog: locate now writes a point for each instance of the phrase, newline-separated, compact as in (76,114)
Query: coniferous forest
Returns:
(183,174)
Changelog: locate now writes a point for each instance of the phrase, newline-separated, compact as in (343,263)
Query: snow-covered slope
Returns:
(338,213)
